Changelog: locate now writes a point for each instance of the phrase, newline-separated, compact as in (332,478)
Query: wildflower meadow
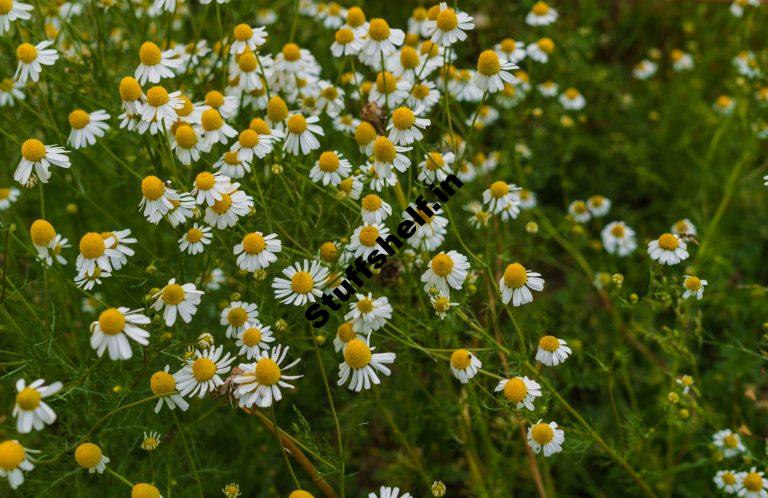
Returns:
(383,249)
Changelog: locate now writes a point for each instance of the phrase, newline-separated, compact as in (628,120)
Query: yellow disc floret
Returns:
(243,32)
(78,119)
(237,317)
(41,232)
(442,264)
(11,455)
(150,54)
(186,137)
(368,235)
(26,53)
(173,294)
(378,29)
(488,63)
(328,162)
(668,242)
(92,245)
(515,390)
(296,124)
(88,455)
(461,359)
(542,433)
(152,188)
(267,372)
(251,337)
(28,398)
(254,243)
(302,282)
(403,118)
(33,150)
(515,276)
(162,383)
(549,343)
(447,20)
(357,354)
(211,120)
(203,369)
(144,490)
(111,321)
(499,189)
(384,150)
(157,96)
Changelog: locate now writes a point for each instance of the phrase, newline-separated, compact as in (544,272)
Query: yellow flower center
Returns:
(297,124)
(5,6)
(187,107)
(447,20)
(430,49)
(247,62)
(92,245)
(420,91)
(442,264)
(579,207)
(157,96)
(344,36)
(435,161)
(152,188)
(243,32)
(668,242)
(409,58)
(302,282)
(488,63)
(203,369)
(259,126)
(403,118)
(540,8)
(753,481)
(364,133)
(515,276)
(291,52)
(346,185)
(254,243)
(277,109)
(111,321)
(378,30)
(515,390)
(41,232)
(144,490)
(28,398)
(692,283)
(433,12)
(355,17)
(79,119)
(150,54)
(88,455)
(384,150)
(26,53)
(368,235)
(33,150)
(205,181)
(723,101)
(461,359)
(729,478)
(251,337)
(508,45)
(546,45)
(571,93)
(328,162)
(214,99)
(345,332)
(357,354)
(365,305)
(371,202)
(211,120)
(267,372)
(194,235)
(162,383)
(11,455)
(222,206)
(731,441)
(186,137)
(386,82)
(617,231)
(328,251)
(549,343)
(542,433)
(248,139)
(499,189)
(419,14)
(173,294)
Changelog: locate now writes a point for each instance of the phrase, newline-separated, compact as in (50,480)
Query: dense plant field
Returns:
(225,270)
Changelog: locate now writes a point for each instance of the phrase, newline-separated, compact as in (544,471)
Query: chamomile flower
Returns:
(598,205)
(159,111)
(10,92)
(215,129)
(694,286)
(520,390)
(681,61)
(388,492)
(177,299)
(156,64)
(251,144)
(579,211)
(89,456)
(238,316)
(86,127)
(729,443)
(446,271)
(14,461)
(163,384)
(552,351)
(668,249)
(113,329)
(346,123)
(30,410)
(247,38)
(351,187)
(202,374)
(727,481)
(363,240)
(686,382)
(257,251)
(387,155)
(492,73)
(724,105)
(8,195)
(95,253)
(259,383)
(644,69)
(330,168)
(142,489)
(374,209)
(752,484)
(450,26)
(300,134)
(32,58)
(510,50)
(381,39)
(88,282)
(187,144)
(499,194)
(361,364)
(517,283)
(344,333)
(684,227)
(425,95)
(546,438)
(304,283)
(229,164)
(405,126)
(254,338)
(210,188)
(618,238)
(571,99)
(12,10)
(38,157)
(195,239)
(345,43)
(527,199)
(548,88)
(150,441)
(118,249)
(441,304)
(479,217)
(436,167)
(233,205)
(540,50)
(464,365)
(388,90)
(417,23)
(430,230)
(541,14)
(157,198)
(368,314)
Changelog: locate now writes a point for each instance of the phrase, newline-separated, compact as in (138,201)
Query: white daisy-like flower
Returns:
(381,40)
(159,112)
(351,187)
(527,199)
(14,461)
(202,374)
(210,188)
(492,72)
(540,50)
(363,240)
(233,205)
(681,61)
(546,438)
(694,286)
(374,209)
(572,100)
(388,492)
(157,198)
(88,282)
(257,251)
(12,10)
(436,167)
(156,64)
(95,253)
(30,410)
(118,248)
(345,43)
(330,168)
(304,283)
(215,129)
(729,443)
(86,127)
(541,14)
(724,105)
(247,38)
(32,58)
(449,26)
(300,134)
(668,249)
(38,157)
(598,205)
(253,339)
(405,126)
(727,481)
(388,90)
(251,144)
(113,329)
(10,92)
(195,239)
(520,390)
(579,211)
(424,94)
(229,164)
(361,364)
(187,143)
(177,299)
(387,155)
(446,271)
(552,351)
(344,334)
(517,283)
(368,314)
(89,456)
(464,365)
(430,230)
(644,69)
(238,316)
(618,238)
(684,227)
(259,383)
(163,384)
(548,88)
(510,50)
(752,484)
(499,194)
